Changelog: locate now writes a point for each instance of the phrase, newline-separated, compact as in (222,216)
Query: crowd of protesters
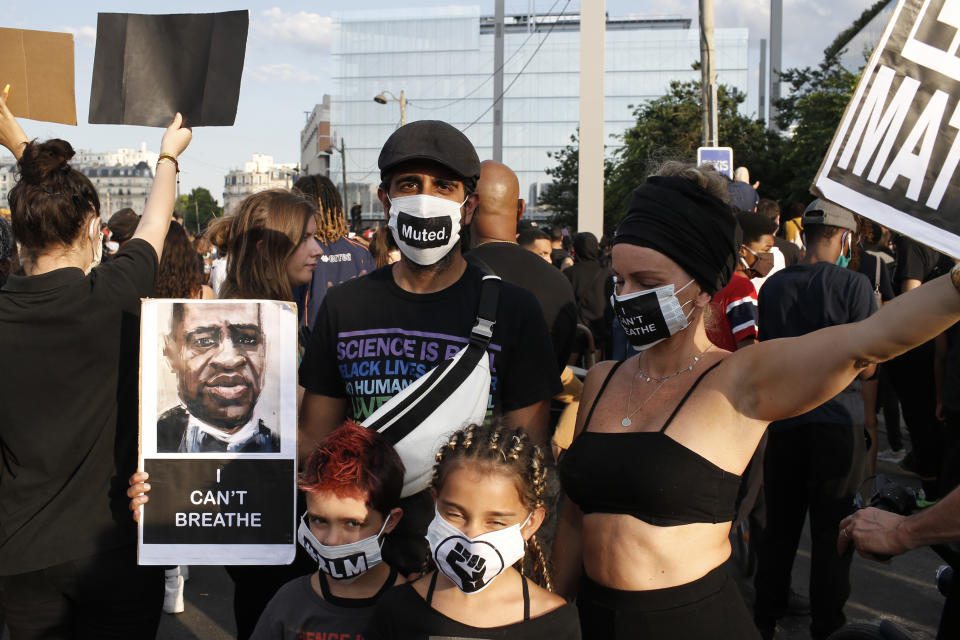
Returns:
(705,363)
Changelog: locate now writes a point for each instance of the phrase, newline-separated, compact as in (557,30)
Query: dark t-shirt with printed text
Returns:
(297,612)
(371,339)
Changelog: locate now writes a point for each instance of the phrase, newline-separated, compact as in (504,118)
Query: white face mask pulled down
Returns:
(424,227)
(342,561)
(473,563)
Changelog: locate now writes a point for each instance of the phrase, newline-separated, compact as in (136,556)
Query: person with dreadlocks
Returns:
(488,485)
(343,257)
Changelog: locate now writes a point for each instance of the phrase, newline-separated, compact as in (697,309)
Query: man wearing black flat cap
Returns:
(375,335)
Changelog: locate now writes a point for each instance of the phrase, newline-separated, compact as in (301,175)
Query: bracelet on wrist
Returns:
(169,157)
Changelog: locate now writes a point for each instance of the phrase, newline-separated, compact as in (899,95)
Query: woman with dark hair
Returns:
(68,408)
(180,275)
(662,438)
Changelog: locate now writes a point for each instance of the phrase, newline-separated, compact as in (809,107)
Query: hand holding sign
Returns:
(11,133)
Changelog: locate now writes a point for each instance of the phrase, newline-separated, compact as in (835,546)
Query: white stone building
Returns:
(315,140)
(260,174)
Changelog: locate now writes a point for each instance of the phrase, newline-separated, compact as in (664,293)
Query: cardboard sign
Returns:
(720,157)
(38,66)
(147,68)
(218,431)
(894,157)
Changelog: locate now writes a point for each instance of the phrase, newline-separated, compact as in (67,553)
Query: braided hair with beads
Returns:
(331,222)
(506,450)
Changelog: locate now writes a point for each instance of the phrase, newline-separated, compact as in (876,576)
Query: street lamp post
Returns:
(381,98)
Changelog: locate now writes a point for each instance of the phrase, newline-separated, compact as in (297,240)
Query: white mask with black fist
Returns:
(473,563)
(424,227)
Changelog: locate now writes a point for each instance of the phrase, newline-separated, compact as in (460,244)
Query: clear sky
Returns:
(288,67)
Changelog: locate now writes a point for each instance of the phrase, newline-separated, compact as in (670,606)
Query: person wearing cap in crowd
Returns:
(122,225)
(814,461)
(653,474)
(376,334)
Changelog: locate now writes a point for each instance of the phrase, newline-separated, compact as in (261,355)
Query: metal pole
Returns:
(343,162)
(403,108)
(763,81)
(708,74)
(498,84)
(592,44)
(776,44)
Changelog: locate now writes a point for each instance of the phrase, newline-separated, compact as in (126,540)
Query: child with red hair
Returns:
(352,485)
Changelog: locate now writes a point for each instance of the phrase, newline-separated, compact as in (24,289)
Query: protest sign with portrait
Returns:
(218,391)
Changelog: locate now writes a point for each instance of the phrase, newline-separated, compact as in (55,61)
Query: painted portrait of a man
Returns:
(218,354)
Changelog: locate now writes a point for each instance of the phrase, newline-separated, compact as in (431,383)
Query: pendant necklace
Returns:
(626,422)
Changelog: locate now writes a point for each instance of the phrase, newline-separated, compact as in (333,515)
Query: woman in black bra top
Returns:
(661,440)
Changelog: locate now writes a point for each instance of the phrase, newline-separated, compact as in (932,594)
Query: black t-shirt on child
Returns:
(402,614)
(371,339)
(68,409)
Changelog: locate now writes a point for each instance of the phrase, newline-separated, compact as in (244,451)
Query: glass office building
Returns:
(443,62)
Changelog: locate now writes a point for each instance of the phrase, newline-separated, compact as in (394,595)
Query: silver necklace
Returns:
(627,422)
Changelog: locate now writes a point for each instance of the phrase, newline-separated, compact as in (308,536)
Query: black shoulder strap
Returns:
(443,380)
(687,395)
(603,386)
(433,585)
(479,262)
(526,598)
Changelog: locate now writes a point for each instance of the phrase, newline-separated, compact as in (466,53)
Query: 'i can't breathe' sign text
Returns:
(895,156)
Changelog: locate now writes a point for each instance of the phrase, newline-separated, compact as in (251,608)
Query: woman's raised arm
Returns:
(779,379)
(11,133)
(155,220)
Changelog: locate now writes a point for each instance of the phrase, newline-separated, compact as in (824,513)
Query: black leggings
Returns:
(710,607)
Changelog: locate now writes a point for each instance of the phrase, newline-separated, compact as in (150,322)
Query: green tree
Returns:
(561,195)
(812,111)
(197,208)
(669,127)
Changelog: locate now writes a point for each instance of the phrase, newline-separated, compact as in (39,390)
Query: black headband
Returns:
(687,224)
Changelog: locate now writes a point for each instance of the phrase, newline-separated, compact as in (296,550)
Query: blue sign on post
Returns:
(720,157)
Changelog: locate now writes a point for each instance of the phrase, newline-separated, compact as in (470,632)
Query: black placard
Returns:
(241,501)
(149,67)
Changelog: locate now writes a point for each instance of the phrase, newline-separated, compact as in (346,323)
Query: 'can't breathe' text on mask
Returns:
(424,227)
(651,316)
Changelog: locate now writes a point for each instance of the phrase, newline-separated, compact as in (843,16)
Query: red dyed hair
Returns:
(356,462)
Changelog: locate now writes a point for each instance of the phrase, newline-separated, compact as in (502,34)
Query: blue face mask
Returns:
(844,259)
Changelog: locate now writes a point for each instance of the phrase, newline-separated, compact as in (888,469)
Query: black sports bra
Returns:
(646,474)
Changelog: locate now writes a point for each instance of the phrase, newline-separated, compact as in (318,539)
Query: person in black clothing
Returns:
(494,249)
(488,576)
(356,217)
(912,372)
(814,461)
(8,251)
(559,255)
(536,242)
(375,335)
(791,252)
(590,280)
(68,403)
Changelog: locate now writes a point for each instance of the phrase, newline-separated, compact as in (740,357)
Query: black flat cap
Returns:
(432,140)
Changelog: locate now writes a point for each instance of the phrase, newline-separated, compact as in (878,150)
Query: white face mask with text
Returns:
(342,561)
(424,227)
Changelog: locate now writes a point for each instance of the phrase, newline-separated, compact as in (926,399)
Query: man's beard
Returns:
(439,266)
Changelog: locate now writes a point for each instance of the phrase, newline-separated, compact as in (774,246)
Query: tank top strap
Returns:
(687,395)
(433,585)
(603,386)
(526,597)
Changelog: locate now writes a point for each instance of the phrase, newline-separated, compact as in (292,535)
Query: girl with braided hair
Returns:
(489,484)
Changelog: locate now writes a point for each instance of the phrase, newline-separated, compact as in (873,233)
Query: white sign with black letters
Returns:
(895,156)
